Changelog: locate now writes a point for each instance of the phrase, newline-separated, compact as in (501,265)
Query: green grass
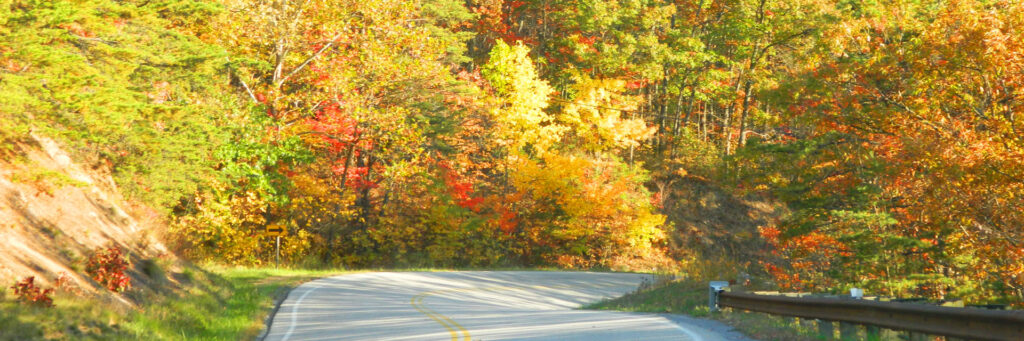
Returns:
(217,303)
(681,297)
(230,305)
(691,298)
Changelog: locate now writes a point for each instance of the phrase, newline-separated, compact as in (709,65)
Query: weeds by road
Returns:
(211,303)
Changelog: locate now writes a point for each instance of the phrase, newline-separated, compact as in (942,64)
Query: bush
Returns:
(27,292)
(107,267)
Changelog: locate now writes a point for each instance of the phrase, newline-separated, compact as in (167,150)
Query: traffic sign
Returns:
(274,230)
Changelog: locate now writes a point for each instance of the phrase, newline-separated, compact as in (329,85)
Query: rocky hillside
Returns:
(55,213)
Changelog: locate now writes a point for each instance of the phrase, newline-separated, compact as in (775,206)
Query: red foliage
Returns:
(589,41)
(657,200)
(637,84)
(507,222)
(460,189)
(336,127)
(357,177)
(107,267)
(28,293)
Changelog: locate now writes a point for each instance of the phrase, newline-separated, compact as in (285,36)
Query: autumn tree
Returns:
(903,167)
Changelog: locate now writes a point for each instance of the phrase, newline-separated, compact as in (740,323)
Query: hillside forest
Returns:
(884,136)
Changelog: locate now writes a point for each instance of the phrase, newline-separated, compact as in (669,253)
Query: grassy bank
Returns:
(211,303)
(691,298)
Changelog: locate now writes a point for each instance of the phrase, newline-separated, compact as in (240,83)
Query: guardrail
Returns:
(968,323)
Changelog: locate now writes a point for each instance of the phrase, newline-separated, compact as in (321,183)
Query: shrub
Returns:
(67,284)
(107,267)
(27,292)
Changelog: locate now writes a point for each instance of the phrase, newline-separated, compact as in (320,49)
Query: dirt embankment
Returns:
(54,213)
(716,230)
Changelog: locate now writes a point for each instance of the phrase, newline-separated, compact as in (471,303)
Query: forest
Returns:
(885,134)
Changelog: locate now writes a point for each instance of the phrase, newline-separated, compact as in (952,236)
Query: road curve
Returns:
(469,305)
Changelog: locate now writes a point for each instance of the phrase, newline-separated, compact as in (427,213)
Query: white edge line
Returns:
(295,313)
(688,332)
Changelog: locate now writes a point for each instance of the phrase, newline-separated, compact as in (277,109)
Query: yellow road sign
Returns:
(276,230)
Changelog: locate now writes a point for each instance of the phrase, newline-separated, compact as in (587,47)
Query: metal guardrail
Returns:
(969,323)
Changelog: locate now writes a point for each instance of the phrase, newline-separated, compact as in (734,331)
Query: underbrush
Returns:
(211,303)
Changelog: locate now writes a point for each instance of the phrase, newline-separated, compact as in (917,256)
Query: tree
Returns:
(906,155)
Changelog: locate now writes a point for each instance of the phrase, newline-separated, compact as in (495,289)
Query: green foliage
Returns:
(256,166)
(114,82)
(450,14)
(45,180)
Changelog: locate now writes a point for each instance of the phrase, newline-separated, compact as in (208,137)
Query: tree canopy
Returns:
(527,132)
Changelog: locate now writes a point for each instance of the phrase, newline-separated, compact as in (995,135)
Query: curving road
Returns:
(470,305)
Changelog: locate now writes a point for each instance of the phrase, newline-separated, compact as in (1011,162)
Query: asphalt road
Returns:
(471,305)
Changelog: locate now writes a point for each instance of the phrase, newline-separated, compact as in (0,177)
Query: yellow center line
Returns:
(451,325)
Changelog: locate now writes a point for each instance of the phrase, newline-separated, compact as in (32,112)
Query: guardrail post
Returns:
(807,323)
(715,287)
(826,330)
(888,335)
(883,334)
(847,331)
(872,332)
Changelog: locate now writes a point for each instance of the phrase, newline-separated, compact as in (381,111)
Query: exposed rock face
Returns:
(54,213)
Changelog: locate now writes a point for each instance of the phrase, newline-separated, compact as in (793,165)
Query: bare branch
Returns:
(309,60)
(244,85)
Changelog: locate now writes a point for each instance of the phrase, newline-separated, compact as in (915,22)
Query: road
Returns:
(470,305)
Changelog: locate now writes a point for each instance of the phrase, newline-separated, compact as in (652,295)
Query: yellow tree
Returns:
(596,117)
(574,204)
(522,97)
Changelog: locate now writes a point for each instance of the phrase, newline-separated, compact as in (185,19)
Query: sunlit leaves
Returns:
(588,212)
(597,118)
(524,96)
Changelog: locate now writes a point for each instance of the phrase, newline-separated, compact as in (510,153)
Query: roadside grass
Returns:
(212,303)
(691,297)
(70,318)
(229,304)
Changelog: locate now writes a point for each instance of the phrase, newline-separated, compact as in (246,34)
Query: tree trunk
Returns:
(743,114)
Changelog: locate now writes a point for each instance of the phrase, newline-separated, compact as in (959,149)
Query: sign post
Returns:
(276,231)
